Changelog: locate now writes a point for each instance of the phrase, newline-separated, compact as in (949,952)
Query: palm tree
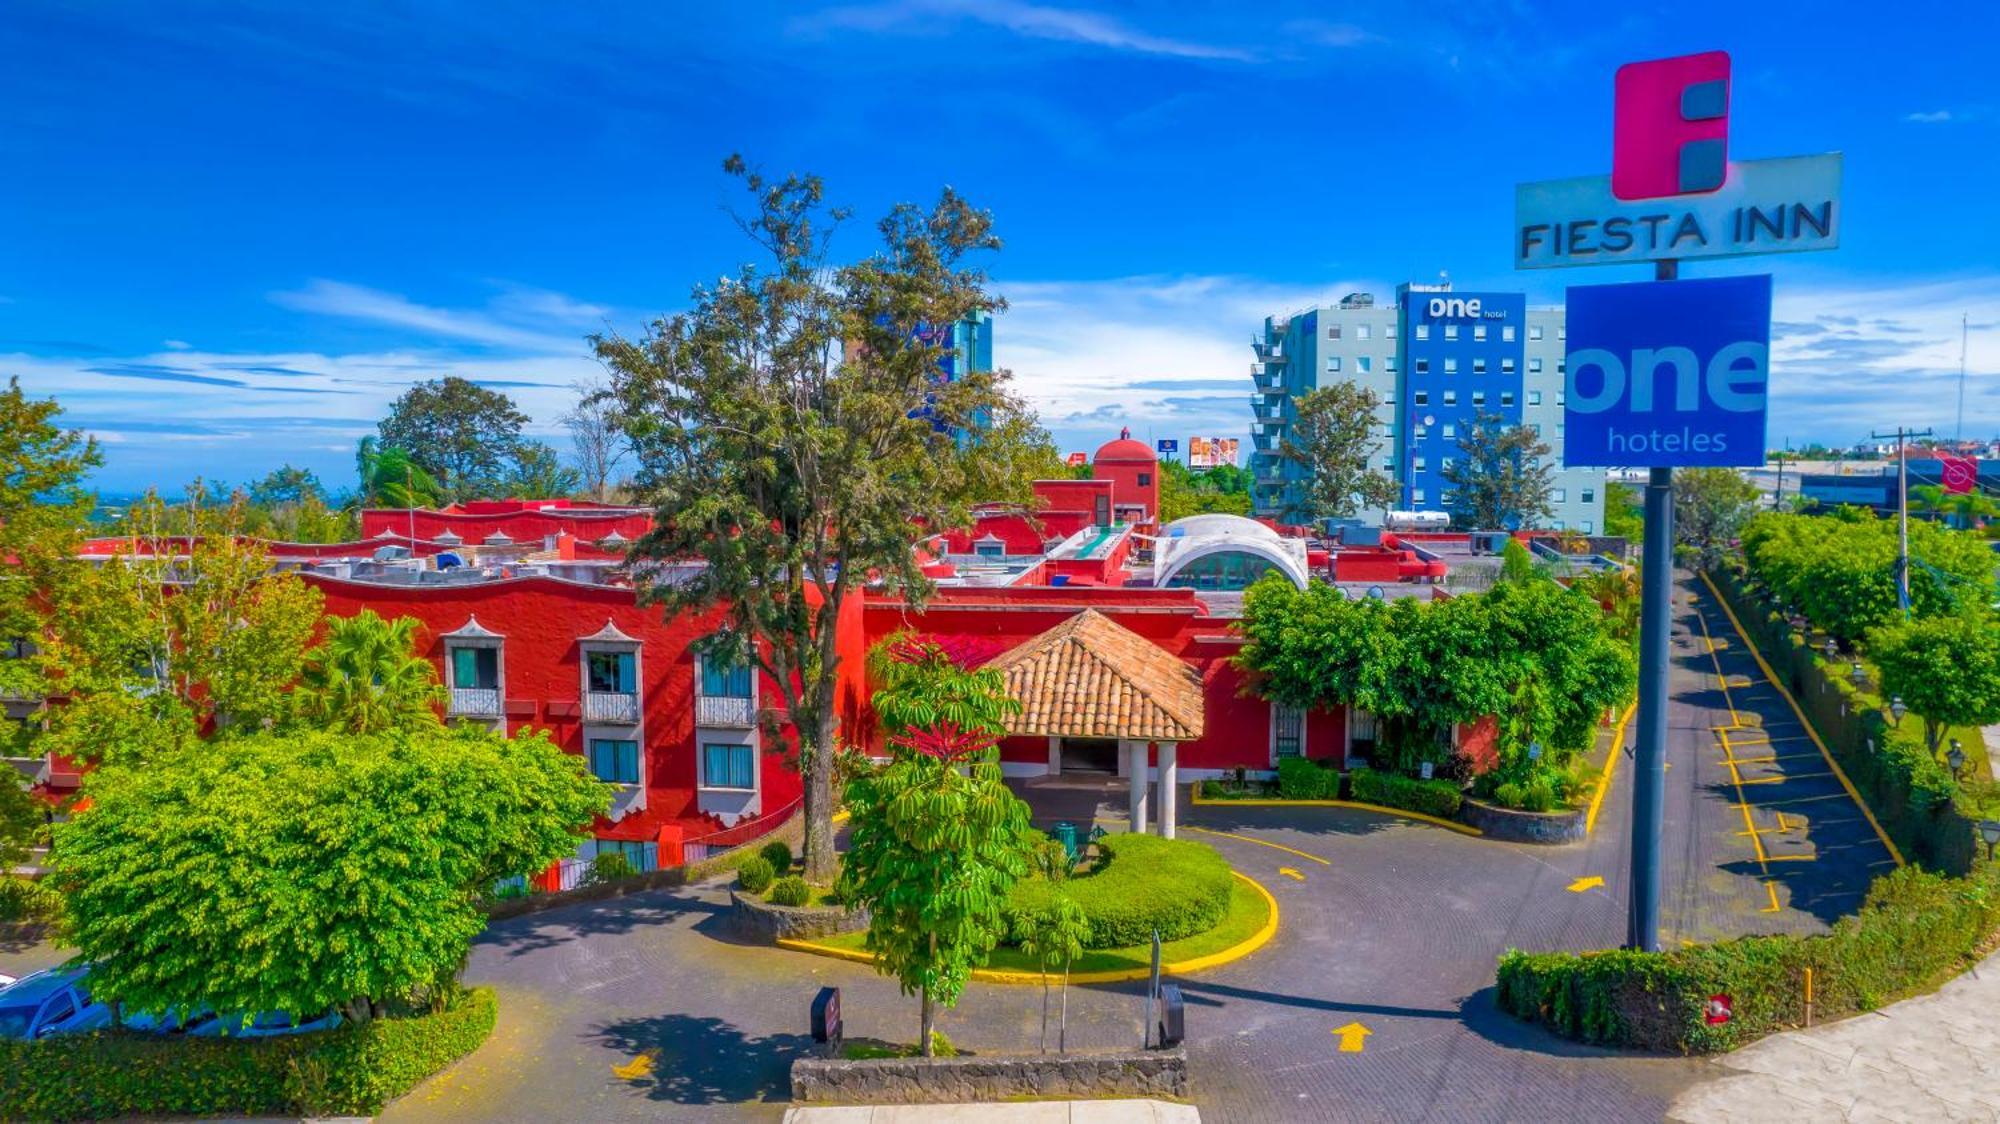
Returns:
(366,678)
(1960,509)
(389,478)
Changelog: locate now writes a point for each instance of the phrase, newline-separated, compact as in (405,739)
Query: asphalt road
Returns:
(643,1008)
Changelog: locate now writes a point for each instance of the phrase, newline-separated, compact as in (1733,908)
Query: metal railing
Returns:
(611,706)
(744,834)
(724,710)
(479,701)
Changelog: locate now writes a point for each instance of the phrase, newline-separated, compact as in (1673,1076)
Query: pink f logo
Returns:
(1670,126)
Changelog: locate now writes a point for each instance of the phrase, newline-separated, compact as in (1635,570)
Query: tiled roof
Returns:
(1090,677)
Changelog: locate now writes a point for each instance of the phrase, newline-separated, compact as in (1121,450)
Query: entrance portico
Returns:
(1091,680)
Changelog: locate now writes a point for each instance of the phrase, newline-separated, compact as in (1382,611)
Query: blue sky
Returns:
(233,232)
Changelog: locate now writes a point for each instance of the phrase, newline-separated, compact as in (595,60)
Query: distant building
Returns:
(1877,491)
(1437,359)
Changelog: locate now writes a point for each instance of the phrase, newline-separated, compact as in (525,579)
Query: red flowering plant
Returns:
(946,741)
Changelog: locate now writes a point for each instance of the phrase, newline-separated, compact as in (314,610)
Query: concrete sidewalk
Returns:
(1018,1112)
(1933,1058)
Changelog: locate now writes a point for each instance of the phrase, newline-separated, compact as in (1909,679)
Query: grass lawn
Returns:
(1247,914)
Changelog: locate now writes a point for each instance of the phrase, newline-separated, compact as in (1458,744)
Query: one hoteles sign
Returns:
(1668,373)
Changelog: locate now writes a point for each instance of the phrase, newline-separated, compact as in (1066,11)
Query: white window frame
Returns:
(1451,331)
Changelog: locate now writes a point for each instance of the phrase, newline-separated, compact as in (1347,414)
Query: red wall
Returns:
(542,620)
(522,526)
(1125,487)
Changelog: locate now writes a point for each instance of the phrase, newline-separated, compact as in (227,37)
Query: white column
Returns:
(1169,781)
(1136,756)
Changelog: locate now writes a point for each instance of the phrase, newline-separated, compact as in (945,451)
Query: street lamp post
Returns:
(1955,757)
(1859,676)
(1832,647)
(1989,830)
(1897,709)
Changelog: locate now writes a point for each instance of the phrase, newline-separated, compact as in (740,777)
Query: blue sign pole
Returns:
(1649,773)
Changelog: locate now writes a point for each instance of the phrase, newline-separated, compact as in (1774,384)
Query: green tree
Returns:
(593,432)
(1333,442)
(463,434)
(177,638)
(1946,669)
(1184,493)
(1055,936)
(1839,570)
(21,816)
(1711,505)
(390,478)
(917,685)
(1964,510)
(791,433)
(539,474)
(306,870)
(1623,515)
(43,506)
(286,484)
(1502,476)
(1516,564)
(367,678)
(934,849)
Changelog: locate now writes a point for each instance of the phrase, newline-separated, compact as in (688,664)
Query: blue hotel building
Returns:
(1438,359)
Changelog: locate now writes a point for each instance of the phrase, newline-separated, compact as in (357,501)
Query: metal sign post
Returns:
(1649,759)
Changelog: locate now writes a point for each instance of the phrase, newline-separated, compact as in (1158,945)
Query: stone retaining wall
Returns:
(1511,826)
(1124,1073)
(758,920)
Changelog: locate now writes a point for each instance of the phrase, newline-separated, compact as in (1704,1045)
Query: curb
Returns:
(1356,805)
(1610,770)
(1234,952)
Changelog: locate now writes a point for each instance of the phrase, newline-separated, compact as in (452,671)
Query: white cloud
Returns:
(357,302)
(176,345)
(1929,117)
(1032,21)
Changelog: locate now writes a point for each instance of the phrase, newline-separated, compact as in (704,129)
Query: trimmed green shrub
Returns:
(1143,883)
(778,853)
(1300,779)
(1391,790)
(790,890)
(1915,930)
(27,900)
(755,874)
(1533,795)
(349,1071)
(608,866)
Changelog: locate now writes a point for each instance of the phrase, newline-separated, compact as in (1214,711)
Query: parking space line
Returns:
(1775,757)
(1772,889)
(1801,799)
(1785,777)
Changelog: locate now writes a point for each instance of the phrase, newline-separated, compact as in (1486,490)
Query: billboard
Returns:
(1663,374)
(1168,446)
(1211,452)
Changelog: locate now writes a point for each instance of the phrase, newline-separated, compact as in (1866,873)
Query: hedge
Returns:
(1301,779)
(1915,930)
(1392,790)
(349,1071)
(755,874)
(1143,883)
(1907,788)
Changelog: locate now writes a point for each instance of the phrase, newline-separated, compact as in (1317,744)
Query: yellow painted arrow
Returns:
(1290,873)
(1352,1037)
(637,1068)
(1582,884)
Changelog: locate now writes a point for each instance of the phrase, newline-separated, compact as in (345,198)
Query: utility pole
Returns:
(1778,500)
(1958,432)
(1649,759)
(1902,435)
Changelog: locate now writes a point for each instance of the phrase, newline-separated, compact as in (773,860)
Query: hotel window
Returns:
(1535,366)
(1589,526)
(1417,464)
(1534,331)
(1444,465)
(1389,364)
(1506,398)
(1416,495)
(1451,331)
(1361,363)
(1333,332)
(1288,730)
(1333,364)
(475,669)
(1389,399)
(1451,397)
(1479,398)
(1536,429)
(1423,331)
(1562,331)
(1507,334)
(1560,495)
(1450,431)
(614,760)
(724,680)
(1479,366)
(1388,464)
(1421,397)
(1362,331)
(1423,366)
(1418,433)
(1506,366)
(1534,398)
(1589,495)
(1389,330)
(1559,398)
(1562,366)
(1451,366)
(1479,331)
(728,766)
(611,672)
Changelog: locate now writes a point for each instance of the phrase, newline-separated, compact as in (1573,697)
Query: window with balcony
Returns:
(475,680)
(615,760)
(611,687)
(725,698)
(728,766)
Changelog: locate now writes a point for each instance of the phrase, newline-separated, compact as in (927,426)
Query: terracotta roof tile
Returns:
(1091,677)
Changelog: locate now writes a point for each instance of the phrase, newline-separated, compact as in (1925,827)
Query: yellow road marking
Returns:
(1582,884)
(1353,1037)
(1810,732)
(1799,799)
(1260,843)
(1610,770)
(1291,873)
(641,1066)
(1784,778)
(1772,888)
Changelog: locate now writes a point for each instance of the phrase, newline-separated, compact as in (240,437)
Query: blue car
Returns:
(54,1001)
(270,1024)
